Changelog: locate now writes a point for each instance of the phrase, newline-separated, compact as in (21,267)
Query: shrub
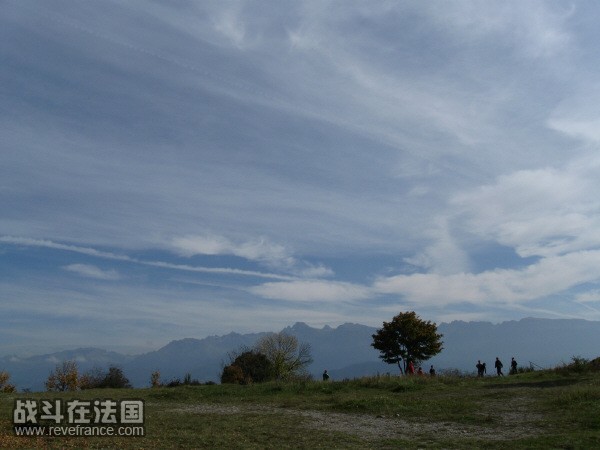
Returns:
(96,379)
(5,386)
(577,365)
(255,366)
(91,379)
(155,379)
(232,374)
(115,379)
(187,381)
(64,377)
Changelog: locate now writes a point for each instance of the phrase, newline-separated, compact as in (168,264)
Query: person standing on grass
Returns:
(325,375)
(411,368)
(498,365)
(432,371)
(480,368)
(513,366)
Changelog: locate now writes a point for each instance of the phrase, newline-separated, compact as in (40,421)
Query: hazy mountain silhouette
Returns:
(344,351)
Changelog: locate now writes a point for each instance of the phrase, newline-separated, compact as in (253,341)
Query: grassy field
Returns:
(550,409)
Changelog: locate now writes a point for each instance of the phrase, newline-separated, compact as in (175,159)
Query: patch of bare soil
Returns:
(507,421)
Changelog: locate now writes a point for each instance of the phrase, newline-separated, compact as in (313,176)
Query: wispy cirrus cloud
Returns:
(312,291)
(163,264)
(255,250)
(29,242)
(91,271)
(262,250)
(535,30)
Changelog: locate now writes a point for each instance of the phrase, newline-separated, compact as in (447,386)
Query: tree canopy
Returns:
(407,338)
(287,356)
(65,377)
(5,386)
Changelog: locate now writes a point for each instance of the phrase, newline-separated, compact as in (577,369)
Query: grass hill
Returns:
(544,409)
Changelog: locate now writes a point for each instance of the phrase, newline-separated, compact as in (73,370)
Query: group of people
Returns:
(482,369)
(410,370)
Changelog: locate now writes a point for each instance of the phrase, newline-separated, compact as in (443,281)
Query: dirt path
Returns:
(507,422)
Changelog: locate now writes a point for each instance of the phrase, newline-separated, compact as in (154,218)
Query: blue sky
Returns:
(182,169)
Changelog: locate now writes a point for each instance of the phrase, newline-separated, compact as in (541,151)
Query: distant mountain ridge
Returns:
(345,351)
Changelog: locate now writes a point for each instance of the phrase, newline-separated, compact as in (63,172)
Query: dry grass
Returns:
(534,410)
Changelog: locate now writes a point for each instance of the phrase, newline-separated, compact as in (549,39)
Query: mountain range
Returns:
(344,351)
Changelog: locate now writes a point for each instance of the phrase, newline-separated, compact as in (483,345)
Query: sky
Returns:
(174,169)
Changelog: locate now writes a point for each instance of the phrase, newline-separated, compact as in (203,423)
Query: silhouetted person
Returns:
(420,371)
(498,365)
(480,368)
(411,368)
(432,371)
(513,366)
(325,375)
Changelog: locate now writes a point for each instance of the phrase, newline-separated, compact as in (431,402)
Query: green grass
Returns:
(531,410)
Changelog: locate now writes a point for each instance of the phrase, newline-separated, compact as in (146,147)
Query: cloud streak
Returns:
(112,256)
(88,270)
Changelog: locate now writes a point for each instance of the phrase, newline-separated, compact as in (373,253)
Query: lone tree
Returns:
(286,355)
(407,338)
(65,377)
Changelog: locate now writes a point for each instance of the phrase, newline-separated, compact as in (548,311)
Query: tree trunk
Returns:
(402,372)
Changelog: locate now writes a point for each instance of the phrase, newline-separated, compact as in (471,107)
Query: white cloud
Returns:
(549,276)
(255,250)
(29,242)
(462,316)
(312,291)
(534,28)
(445,255)
(540,212)
(577,115)
(229,24)
(592,296)
(91,271)
(586,128)
(318,271)
(163,264)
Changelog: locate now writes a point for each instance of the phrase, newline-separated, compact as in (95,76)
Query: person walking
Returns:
(498,365)
(513,366)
